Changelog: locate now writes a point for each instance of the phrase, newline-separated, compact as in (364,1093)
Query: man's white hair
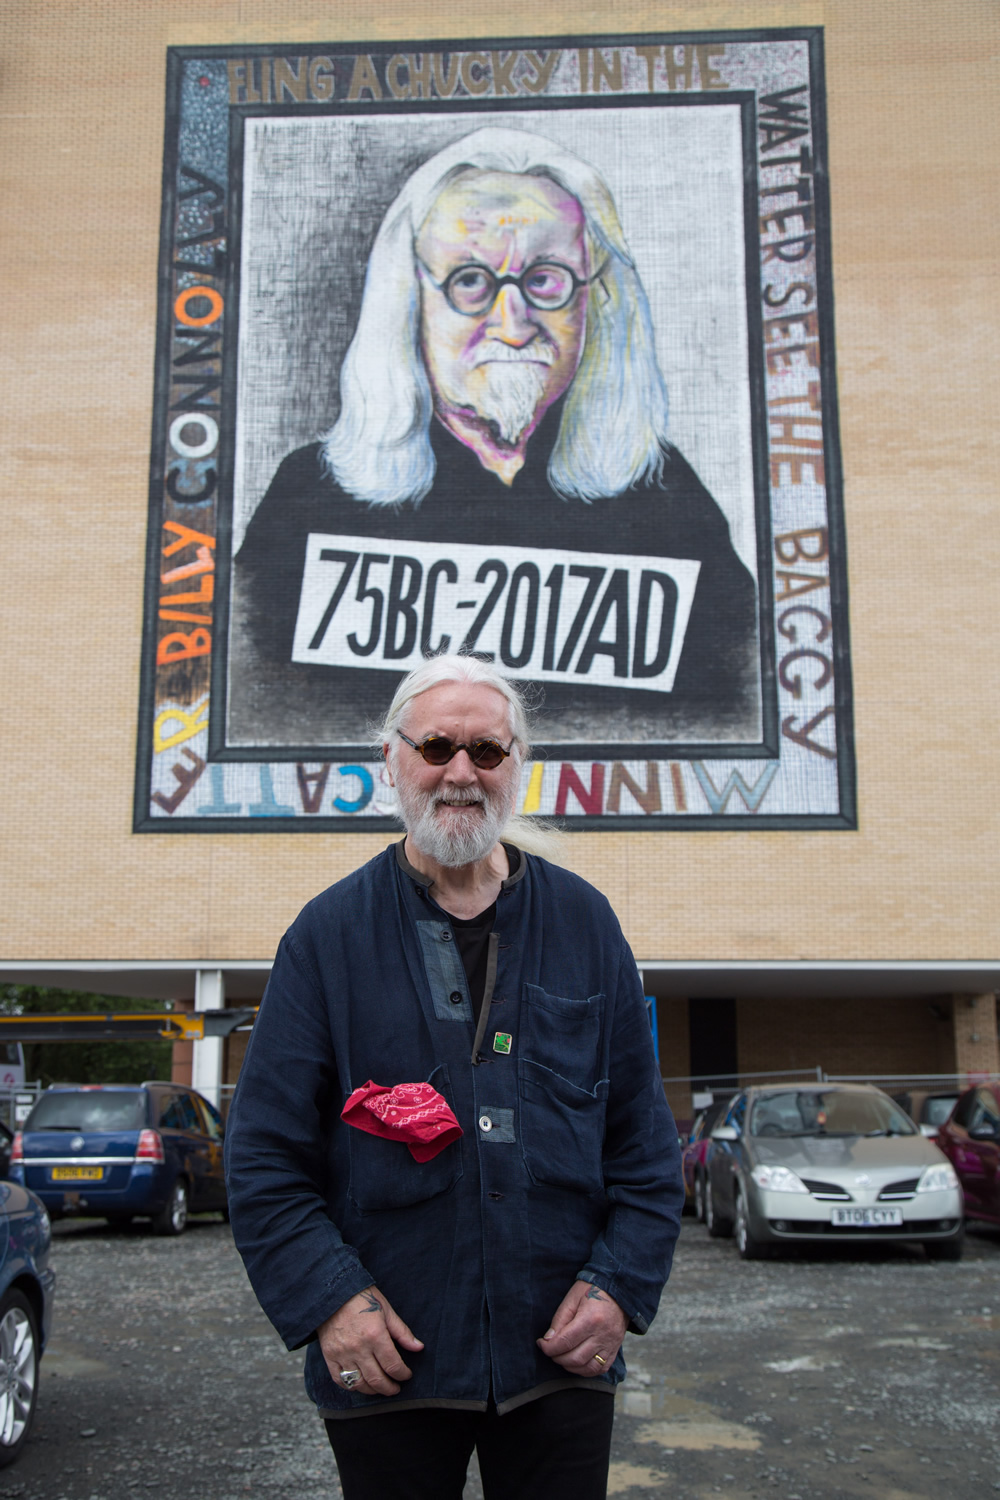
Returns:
(455,667)
(614,418)
(527,833)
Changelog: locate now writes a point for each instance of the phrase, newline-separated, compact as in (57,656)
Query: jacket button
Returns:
(485,1124)
(446,935)
(456,997)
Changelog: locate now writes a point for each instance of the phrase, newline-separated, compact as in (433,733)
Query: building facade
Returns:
(769,676)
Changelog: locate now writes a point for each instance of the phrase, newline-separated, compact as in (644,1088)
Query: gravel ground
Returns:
(829,1374)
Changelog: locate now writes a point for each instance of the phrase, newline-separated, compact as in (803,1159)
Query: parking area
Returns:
(831,1373)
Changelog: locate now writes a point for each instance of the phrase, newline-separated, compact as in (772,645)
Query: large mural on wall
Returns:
(523,349)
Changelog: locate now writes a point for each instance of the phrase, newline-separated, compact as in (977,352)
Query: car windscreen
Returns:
(113,1109)
(827,1112)
(937,1109)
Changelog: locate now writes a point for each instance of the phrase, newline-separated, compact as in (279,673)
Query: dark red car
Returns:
(970,1139)
(693,1155)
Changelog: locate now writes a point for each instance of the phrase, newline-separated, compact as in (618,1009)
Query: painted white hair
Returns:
(527,833)
(614,418)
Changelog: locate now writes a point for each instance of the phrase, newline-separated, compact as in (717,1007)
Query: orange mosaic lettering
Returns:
(181,644)
(185,538)
(192,294)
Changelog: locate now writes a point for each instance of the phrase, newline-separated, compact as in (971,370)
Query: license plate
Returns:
(866,1218)
(77,1174)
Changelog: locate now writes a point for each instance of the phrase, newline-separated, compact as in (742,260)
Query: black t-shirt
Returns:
(472,934)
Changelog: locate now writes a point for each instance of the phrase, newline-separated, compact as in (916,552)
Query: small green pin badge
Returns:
(502,1041)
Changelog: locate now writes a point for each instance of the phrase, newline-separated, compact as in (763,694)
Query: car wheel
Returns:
(18,1373)
(699,1197)
(749,1246)
(173,1218)
(718,1227)
(946,1249)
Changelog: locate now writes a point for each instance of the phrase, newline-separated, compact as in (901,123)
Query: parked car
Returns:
(123,1151)
(927,1107)
(693,1155)
(26,1288)
(803,1163)
(970,1140)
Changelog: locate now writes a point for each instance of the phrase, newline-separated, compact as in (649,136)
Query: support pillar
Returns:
(977,1048)
(206,1067)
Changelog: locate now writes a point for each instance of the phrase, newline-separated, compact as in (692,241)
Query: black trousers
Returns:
(555,1448)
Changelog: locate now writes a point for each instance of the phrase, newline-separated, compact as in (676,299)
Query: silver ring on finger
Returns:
(350,1378)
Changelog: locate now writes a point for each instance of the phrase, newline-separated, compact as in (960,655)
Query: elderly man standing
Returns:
(452,1171)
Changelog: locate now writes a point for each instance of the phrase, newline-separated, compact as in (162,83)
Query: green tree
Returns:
(86,1062)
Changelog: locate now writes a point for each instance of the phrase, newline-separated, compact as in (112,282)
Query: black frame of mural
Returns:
(769,746)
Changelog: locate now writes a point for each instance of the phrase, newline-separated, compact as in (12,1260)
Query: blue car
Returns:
(26,1287)
(123,1151)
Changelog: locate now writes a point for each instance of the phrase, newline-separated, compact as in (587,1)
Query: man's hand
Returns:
(360,1337)
(587,1323)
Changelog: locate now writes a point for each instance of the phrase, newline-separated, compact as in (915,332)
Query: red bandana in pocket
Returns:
(410,1112)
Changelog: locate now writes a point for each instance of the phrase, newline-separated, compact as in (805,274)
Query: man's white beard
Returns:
(511,395)
(450,838)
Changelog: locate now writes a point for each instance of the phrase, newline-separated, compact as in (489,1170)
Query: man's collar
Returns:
(515,859)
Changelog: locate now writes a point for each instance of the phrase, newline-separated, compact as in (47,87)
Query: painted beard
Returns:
(510,397)
(513,383)
(454,839)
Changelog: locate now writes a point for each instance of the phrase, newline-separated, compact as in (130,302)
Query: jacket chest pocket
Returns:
(563,1035)
(563,1096)
(383,1173)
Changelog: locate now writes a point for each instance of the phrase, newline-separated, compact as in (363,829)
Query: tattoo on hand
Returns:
(374,1305)
(594,1295)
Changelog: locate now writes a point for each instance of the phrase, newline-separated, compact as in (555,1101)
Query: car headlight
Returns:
(938,1179)
(778,1180)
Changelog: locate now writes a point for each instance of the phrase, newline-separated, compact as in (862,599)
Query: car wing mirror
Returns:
(725,1133)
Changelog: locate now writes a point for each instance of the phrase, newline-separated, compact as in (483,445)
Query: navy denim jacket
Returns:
(568,1169)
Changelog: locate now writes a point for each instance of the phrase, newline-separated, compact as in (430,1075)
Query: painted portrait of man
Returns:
(501,478)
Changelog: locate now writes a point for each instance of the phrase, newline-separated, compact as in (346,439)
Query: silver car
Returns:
(828,1162)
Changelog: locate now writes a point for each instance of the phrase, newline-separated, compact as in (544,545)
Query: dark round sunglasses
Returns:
(438,750)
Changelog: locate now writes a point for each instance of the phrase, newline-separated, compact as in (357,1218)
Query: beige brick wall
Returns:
(914,152)
(977,1048)
(675,1053)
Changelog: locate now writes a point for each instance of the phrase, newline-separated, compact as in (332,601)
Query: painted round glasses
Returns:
(548,285)
(438,750)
